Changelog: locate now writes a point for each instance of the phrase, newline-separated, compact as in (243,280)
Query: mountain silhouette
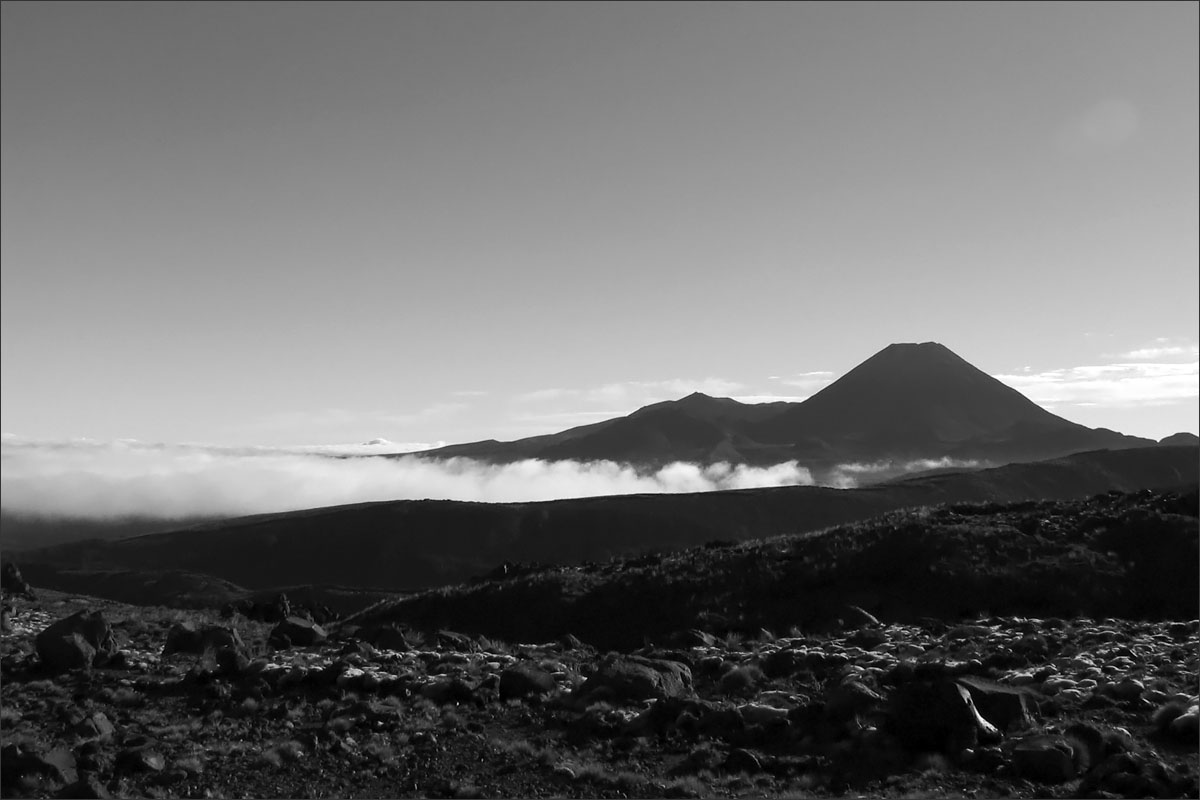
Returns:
(907,402)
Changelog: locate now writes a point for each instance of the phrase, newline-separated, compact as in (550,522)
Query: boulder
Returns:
(185,637)
(97,726)
(12,582)
(521,680)
(389,638)
(80,640)
(742,760)
(297,632)
(66,652)
(1006,707)
(1044,759)
(626,678)
(87,786)
(18,765)
(1187,725)
(937,716)
(783,662)
(867,638)
(142,758)
(448,690)
(452,640)
(848,699)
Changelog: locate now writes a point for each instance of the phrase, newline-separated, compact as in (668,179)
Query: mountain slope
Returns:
(1114,554)
(412,544)
(909,401)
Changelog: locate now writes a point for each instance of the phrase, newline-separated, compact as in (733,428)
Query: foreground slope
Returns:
(1131,556)
(1026,700)
(414,544)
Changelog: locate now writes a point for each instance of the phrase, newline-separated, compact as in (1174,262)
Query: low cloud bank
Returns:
(92,479)
(851,475)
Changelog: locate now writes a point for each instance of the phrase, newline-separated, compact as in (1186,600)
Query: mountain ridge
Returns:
(908,401)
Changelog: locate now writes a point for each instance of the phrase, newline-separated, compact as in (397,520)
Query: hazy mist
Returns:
(125,478)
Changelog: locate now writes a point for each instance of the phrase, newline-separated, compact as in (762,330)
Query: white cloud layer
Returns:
(95,479)
(851,475)
(1111,385)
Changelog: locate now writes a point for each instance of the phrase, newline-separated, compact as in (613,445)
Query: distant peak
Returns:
(916,346)
(699,396)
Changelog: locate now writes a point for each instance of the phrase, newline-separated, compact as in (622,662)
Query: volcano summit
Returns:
(907,402)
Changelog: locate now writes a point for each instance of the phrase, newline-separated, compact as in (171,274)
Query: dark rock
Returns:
(448,690)
(276,610)
(87,787)
(357,647)
(781,663)
(1006,707)
(6,619)
(452,640)
(143,758)
(1179,631)
(60,645)
(1044,759)
(66,652)
(231,661)
(389,638)
(185,637)
(850,698)
(55,766)
(521,680)
(741,760)
(298,632)
(1087,743)
(721,722)
(698,638)
(867,638)
(1097,700)
(626,678)
(12,582)
(97,726)
(937,716)
(571,642)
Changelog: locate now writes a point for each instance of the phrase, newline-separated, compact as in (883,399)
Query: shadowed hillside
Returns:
(413,544)
(1121,555)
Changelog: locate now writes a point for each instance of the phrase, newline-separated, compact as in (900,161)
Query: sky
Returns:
(284,224)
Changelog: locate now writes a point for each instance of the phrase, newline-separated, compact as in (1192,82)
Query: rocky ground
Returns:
(100,698)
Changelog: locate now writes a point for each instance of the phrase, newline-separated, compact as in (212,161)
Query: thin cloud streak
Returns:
(1165,351)
(1110,385)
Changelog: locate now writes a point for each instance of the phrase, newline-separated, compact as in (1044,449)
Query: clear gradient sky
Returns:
(305,223)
